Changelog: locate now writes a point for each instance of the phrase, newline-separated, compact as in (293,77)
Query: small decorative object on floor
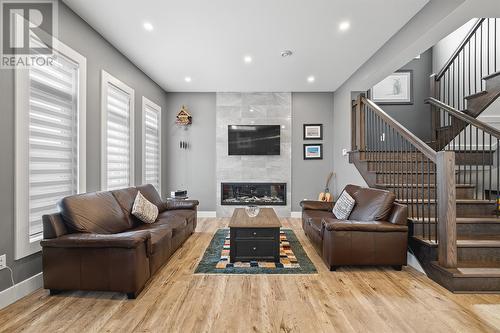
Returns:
(184,118)
(252,210)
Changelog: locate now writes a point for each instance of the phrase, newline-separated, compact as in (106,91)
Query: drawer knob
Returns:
(255,234)
(254,248)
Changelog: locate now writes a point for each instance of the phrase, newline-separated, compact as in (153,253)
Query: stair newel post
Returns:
(447,209)
(360,130)
(434,92)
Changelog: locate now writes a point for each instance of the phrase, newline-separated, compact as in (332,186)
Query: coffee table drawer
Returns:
(255,232)
(255,249)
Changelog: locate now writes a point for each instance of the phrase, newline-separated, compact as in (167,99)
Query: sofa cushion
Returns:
(344,205)
(370,226)
(144,210)
(372,204)
(150,193)
(125,198)
(175,222)
(96,212)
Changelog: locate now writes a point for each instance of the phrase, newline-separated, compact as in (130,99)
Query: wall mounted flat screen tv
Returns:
(254,139)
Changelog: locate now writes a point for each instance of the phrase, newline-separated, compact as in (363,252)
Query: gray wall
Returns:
(416,117)
(77,34)
(192,169)
(308,177)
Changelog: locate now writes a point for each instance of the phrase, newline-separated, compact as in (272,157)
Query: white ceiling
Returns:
(207,39)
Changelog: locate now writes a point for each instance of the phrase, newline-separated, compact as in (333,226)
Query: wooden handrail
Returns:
(462,116)
(403,131)
(459,48)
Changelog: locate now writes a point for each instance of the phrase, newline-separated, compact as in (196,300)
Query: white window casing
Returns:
(50,141)
(151,143)
(117,133)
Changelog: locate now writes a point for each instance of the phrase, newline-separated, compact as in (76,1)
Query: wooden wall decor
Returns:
(184,118)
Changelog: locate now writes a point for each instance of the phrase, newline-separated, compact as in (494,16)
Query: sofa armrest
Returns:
(53,226)
(126,240)
(399,214)
(179,204)
(316,205)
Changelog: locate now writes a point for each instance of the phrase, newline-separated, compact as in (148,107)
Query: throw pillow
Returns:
(143,209)
(343,206)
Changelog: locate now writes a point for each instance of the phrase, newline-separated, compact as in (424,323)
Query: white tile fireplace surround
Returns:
(253,109)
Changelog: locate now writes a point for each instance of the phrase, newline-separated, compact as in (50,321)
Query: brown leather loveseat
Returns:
(376,232)
(95,243)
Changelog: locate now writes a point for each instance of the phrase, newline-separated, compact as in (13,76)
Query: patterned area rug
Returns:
(293,259)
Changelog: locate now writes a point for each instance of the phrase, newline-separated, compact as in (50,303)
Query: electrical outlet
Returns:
(344,152)
(3,261)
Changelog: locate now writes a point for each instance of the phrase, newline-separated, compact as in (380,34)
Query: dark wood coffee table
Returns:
(255,238)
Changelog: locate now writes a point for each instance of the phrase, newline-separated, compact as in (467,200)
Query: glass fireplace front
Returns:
(268,194)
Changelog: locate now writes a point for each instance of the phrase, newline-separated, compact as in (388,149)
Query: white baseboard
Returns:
(413,262)
(21,289)
(296,215)
(206,213)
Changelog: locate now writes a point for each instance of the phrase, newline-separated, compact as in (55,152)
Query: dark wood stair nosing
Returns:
(457,274)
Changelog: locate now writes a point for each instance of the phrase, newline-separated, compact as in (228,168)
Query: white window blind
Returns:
(118,150)
(53,138)
(151,144)
(50,141)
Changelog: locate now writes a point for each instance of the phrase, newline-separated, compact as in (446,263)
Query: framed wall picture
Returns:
(313,151)
(313,131)
(397,88)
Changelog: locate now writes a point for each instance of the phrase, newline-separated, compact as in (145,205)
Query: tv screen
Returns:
(254,139)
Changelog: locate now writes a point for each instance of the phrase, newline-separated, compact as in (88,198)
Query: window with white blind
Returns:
(50,141)
(117,133)
(151,143)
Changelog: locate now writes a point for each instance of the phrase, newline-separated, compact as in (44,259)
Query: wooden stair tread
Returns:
(471,241)
(460,220)
(480,93)
(470,271)
(459,201)
(492,75)
(419,185)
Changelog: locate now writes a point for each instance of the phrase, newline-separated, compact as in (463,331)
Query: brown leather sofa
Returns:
(95,243)
(375,234)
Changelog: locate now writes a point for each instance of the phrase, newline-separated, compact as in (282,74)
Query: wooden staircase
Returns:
(451,184)
(405,165)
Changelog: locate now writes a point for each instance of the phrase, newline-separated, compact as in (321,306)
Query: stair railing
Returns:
(476,145)
(476,57)
(420,177)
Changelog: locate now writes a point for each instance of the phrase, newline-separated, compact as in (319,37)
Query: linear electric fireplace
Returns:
(269,194)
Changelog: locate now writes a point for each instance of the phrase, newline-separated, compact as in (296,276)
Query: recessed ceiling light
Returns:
(345,25)
(148,26)
(247,59)
(187,79)
(286,53)
(310,79)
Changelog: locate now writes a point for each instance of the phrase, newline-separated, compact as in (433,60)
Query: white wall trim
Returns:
(107,79)
(296,215)
(206,213)
(20,290)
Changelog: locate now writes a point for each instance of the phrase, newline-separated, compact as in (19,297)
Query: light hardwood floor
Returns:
(176,300)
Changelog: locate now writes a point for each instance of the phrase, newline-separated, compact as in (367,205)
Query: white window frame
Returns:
(157,108)
(24,245)
(106,79)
